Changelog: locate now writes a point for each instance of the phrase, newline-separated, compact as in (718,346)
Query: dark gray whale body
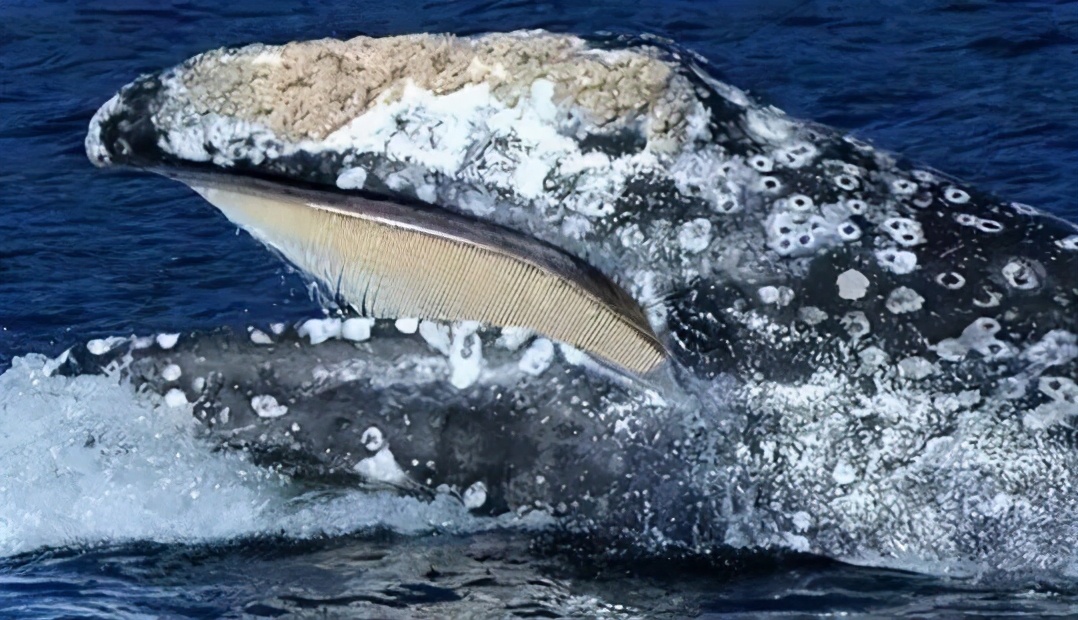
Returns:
(870,360)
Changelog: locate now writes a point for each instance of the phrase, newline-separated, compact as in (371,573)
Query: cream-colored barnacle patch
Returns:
(307,90)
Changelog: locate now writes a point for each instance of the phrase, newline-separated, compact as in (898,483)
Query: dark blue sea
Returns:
(986,91)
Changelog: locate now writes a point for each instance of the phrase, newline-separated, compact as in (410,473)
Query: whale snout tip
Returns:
(96,149)
(122,132)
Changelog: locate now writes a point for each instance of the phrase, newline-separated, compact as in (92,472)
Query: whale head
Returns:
(892,353)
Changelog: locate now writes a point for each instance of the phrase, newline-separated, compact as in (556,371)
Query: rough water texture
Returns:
(884,359)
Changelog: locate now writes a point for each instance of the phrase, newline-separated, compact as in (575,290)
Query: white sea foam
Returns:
(87,461)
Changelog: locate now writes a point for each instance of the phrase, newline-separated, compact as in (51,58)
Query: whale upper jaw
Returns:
(887,351)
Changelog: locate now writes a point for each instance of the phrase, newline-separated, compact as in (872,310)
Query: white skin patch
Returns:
(983,225)
(900,262)
(167,341)
(848,231)
(780,296)
(955,196)
(320,330)
(812,315)
(1069,243)
(1023,209)
(979,336)
(872,358)
(796,156)
(904,231)
(951,280)
(1056,348)
(846,182)
(916,368)
(436,335)
(406,325)
(475,496)
(903,300)
(856,206)
(844,473)
(856,324)
(1059,389)
(903,187)
(175,398)
(694,236)
(465,355)
(761,163)
(512,338)
(357,329)
(1020,274)
(373,439)
(987,299)
(923,176)
(852,284)
(171,372)
(260,337)
(266,406)
(538,357)
(800,203)
(102,346)
(352,178)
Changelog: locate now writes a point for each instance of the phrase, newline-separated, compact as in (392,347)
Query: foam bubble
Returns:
(88,460)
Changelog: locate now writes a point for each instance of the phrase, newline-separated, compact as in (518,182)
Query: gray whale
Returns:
(871,360)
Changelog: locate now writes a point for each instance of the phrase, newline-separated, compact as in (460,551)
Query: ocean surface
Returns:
(985,91)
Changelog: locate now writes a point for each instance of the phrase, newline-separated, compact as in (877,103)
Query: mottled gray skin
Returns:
(844,400)
(582,446)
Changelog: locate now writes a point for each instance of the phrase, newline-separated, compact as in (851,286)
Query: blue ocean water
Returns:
(985,91)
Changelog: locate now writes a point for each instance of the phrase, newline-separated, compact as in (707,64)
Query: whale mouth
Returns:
(366,225)
(402,258)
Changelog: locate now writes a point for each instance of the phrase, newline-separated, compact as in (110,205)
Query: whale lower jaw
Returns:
(877,362)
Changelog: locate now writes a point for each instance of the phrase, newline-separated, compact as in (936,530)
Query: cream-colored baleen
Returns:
(390,260)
